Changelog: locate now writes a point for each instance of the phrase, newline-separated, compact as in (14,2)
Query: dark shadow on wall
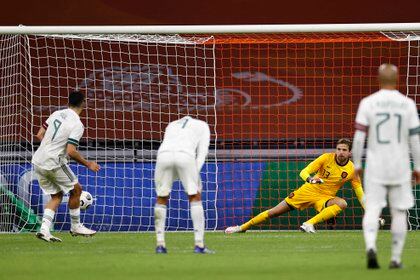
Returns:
(128,12)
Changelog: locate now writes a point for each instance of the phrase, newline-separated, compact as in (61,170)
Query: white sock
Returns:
(197,216)
(399,231)
(370,227)
(160,220)
(75,216)
(47,219)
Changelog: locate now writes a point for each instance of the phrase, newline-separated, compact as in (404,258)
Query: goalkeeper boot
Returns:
(395,265)
(203,250)
(234,229)
(307,227)
(372,261)
(80,229)
(47,236)
(161,250)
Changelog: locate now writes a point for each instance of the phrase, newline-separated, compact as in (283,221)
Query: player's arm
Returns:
(361,127)
(41,132)
(203,147)
(74,154)
(313,167)
(358,190)
(73,143)
(414,134)
(415,150)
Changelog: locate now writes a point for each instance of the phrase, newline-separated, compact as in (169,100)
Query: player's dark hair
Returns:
(76,99)
(346,142)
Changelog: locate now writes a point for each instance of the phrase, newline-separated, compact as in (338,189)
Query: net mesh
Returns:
(274,102)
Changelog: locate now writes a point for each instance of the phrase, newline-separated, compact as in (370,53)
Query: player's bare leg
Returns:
(276,211)
(160,219)
(333,208)
(48,218)
(77,228)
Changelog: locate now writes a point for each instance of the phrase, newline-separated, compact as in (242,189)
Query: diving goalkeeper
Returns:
(331,171)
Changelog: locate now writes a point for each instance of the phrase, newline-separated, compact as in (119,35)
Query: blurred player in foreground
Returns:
(60,136)
(331,170)
(391,122)
(182,155)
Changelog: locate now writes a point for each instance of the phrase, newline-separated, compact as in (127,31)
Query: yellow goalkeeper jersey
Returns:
(332,173)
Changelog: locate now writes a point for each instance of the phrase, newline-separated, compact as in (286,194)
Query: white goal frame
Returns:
(395,31)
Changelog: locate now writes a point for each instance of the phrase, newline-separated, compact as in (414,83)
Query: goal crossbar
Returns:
(210,29)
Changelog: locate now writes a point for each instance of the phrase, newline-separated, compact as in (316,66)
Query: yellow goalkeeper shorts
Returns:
(302,199)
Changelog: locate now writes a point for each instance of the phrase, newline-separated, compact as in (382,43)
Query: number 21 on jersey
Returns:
(385,118)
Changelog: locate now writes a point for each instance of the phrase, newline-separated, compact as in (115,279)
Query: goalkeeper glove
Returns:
(314,180)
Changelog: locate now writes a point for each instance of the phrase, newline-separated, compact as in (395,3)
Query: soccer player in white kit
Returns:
(182,155)
(391,121)
(60,136)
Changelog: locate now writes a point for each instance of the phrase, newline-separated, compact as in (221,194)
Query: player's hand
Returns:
(416,176)
(314,180)
(93,166)
(381,222)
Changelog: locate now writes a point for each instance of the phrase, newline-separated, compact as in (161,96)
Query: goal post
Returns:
(275,97)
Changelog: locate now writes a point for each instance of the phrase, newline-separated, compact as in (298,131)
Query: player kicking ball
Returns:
(331,171)
(60,136)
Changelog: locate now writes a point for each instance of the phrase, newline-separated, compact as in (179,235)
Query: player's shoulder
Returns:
(57,112)
(350,169)
(371,98)
(74,118)
(409,101)
(350,164)
(327,156)
(201,122)
(403,97)
(403,100)
(196,121)
(80,124)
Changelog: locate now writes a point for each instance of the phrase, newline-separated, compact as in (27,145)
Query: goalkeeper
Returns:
(331,171)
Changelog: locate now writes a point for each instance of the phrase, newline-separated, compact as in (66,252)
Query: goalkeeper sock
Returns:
(75,216)
(160,219)
(47,219)
(399,231)
(371,226)
(326,214)
(260,218)
(197,217)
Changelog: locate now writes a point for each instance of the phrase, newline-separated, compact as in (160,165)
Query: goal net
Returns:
(274,102)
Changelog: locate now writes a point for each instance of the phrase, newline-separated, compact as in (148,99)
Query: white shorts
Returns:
(173,165)
(61,179)
(399,196)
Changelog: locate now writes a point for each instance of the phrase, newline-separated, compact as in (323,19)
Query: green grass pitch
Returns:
(253,255)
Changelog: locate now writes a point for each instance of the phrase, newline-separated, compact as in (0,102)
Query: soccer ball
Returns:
(381,222)
(86,200)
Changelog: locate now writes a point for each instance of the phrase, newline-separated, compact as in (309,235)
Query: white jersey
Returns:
(62,127)
(187,135)
(390,117)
